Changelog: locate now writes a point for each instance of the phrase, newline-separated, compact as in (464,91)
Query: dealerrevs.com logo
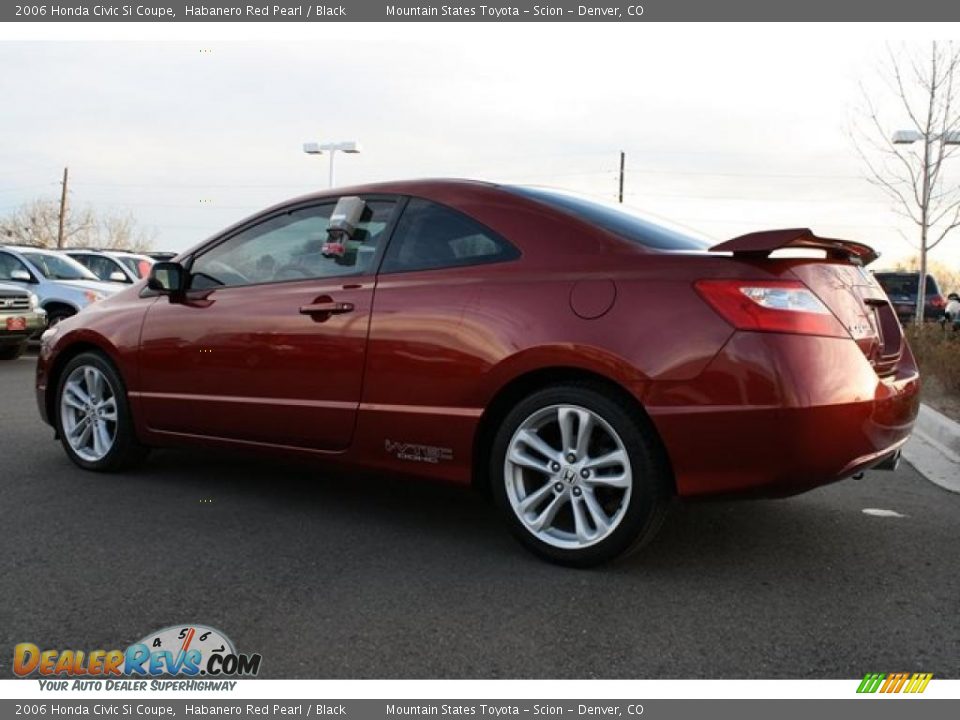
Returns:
(177,651)
(908,683)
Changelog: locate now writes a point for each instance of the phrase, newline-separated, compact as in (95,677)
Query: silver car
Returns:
(113,265)
(62,285)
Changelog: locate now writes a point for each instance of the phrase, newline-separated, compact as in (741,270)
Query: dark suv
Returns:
(901,288)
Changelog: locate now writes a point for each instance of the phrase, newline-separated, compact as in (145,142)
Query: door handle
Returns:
(326,308)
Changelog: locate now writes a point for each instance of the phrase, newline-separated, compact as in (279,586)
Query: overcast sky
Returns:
(727,128)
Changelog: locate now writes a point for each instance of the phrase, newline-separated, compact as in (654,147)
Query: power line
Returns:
(742,198)
(792,176)
(26,187)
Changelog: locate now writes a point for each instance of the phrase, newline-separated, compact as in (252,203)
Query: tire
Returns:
(12,352)
(57,314)
(123,450)
(613,509)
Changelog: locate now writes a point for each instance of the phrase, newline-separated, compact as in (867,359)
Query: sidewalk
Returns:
(934,449)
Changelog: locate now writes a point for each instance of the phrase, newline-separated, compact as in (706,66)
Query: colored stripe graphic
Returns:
(871,681)
(918,683)
(894,683)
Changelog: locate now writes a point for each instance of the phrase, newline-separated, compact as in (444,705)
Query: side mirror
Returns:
(117,276)
(21,276)
(169,278)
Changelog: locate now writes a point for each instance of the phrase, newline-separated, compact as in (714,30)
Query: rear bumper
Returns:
(784,414)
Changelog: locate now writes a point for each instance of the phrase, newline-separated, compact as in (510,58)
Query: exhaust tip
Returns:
(891,462)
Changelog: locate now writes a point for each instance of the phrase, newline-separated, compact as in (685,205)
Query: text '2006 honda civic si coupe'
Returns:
(581,363)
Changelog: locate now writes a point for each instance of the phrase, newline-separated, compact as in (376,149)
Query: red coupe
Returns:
(581,363)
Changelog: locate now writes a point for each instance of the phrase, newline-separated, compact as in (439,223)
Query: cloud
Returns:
(726,128)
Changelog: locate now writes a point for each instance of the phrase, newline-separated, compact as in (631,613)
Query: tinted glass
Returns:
(904,283)
(140,267)
(290,247)
(8,265)
(616,219)
(99,265)
(431,236)
(59,267)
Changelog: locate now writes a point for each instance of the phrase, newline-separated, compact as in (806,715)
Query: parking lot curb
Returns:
(934,449)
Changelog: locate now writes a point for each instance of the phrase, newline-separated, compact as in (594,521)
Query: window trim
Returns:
(26,266)
(486,229)
(399,201)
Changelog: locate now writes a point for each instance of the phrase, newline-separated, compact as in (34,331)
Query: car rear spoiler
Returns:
(763,243)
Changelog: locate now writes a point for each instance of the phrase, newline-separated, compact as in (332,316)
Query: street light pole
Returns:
(347,146)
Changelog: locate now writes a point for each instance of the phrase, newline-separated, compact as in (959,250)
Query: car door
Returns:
(429,344)
(269,344)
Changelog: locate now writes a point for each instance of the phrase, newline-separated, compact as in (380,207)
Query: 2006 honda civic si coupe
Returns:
(581,363)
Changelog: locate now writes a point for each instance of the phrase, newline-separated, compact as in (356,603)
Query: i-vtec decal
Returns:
(418,453)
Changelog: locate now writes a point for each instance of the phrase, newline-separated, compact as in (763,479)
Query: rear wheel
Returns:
(578,476)
(93,416)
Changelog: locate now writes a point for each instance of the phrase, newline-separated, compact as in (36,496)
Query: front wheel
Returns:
(578,475)
(93,416)
(56,315)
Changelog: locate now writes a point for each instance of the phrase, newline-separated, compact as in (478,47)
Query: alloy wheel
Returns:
(88,413)
(568,476)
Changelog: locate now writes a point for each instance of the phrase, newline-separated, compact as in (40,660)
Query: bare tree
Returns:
(906,150)
(37,223)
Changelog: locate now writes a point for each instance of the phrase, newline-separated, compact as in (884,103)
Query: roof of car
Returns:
(30,248)
(102,251)
(902,273)
(438,189)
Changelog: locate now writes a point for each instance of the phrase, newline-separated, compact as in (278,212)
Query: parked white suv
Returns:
(63,286)
(113,265)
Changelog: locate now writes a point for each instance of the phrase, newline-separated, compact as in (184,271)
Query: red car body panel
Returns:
(404,381)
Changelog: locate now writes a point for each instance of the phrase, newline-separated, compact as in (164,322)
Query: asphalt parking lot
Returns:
(330,577)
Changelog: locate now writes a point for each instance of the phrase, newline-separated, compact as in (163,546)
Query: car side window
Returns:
(431,236)
(97,264)
(10,264)
(291,246)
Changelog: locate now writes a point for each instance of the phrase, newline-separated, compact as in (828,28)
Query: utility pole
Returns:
(622,159)
(63,208)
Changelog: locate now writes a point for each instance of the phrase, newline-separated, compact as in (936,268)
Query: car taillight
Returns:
(785,306)
(938,302)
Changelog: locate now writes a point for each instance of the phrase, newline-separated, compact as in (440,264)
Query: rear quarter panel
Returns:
(444,343)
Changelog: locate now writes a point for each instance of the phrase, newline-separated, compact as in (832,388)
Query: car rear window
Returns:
(903,283)
(614,218)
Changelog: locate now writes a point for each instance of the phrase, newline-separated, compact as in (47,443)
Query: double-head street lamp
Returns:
(908,137)
(347,146)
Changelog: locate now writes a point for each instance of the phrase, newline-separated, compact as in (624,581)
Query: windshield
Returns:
(57,267)
(617,219)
